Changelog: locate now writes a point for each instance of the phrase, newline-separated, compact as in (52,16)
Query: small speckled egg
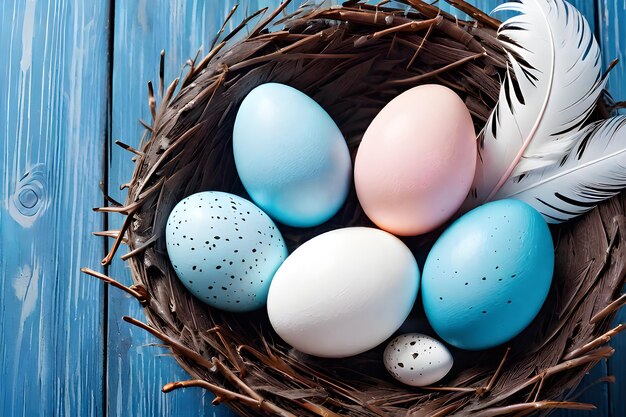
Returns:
(224,249)
(291,156)
(416,162)
(487,276)
(343,292)
(417,360)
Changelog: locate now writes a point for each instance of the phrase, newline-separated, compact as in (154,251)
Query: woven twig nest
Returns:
(353,60)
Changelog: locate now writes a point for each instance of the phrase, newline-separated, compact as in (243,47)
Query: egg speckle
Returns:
(417,360)
(224,249)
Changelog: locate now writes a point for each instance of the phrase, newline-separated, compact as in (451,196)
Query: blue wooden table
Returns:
(72,80)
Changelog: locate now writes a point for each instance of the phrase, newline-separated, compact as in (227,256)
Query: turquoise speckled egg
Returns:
(290,155)
(488,275)
(224,249)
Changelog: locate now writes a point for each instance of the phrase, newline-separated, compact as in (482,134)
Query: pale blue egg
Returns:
(488,275)
(291,156)
(224,249)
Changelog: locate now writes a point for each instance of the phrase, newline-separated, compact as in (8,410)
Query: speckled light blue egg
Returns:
(224,249)
(488,275)
(291,156)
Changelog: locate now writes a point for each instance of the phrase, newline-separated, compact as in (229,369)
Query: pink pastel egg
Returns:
(416,162)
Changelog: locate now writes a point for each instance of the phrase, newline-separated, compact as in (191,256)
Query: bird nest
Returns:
(352,60)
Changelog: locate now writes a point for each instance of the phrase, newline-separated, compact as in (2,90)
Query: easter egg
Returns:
(224,249)
(487,276)
(343,292)
(291,156)
(417,360)
(416,162)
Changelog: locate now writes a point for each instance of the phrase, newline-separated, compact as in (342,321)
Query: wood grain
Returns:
(612,34)
(52,120)
(141,31)
(52,125)
(137,368)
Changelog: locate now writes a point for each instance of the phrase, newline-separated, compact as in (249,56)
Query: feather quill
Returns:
(593,170)
(552,84)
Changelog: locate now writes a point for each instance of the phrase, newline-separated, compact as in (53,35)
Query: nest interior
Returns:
(352,60)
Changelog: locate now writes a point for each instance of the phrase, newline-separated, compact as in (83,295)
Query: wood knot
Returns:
(30,198)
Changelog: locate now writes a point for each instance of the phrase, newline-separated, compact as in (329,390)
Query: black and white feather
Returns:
(552,84)
(594,170)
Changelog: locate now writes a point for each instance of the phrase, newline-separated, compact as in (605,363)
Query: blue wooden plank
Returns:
(596,393)
(612,31)
(613,38)
(592,392)
(142,30)
(586,7)
(52,115)
(484,5)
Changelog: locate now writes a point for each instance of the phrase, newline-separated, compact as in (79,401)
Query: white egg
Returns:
(343,292)
(417,360)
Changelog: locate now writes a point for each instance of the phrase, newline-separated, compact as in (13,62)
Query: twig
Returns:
(142,296)
(128,148)
(269,18)
(116,244)
(219,32)
(268,57)
(151,101)
(495,375)
(170,92)
(173,344)
(316,408)
(410,26)
(113,234)
(419,48)
(601,340)
(139,249)
(593,356)
(232,355)
(606,311)
(161,73)
(279,365)
(532,391)
(192,68)
(243,24)
(131,208)
(421,77)
(111,200)
(446,410)
(534,406)
(205,61)
(378,18)
(543,378)
(146,125)
(227,395)
(166,153)
(475,13)
(235,380)
(450,389)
